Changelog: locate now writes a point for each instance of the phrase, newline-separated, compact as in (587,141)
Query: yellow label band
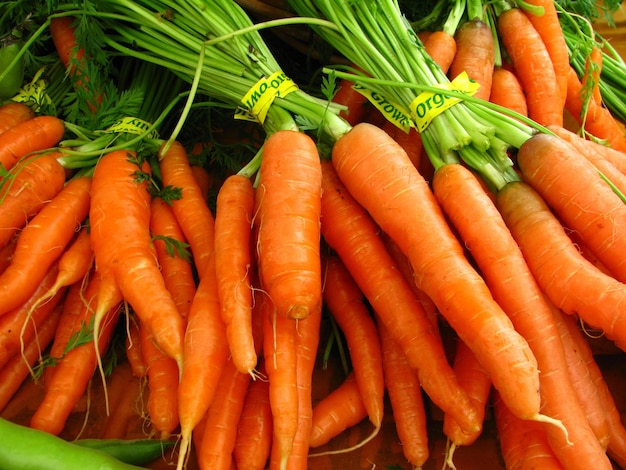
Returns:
(428,105)
(260,97)
(132,125)
(392,111)
(34,92)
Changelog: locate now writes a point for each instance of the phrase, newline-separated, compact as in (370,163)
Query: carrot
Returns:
(571,186)
(357,105)
(119,219)
(441,47)
(13,113)
(341,409)
(42,242)
(75,369)
(34,135)
(591,77)
(569,281)
(289,223)
(506,91)
(24,191)
(346,303)
(204,179)
(170,245)
(405,208)
(348,229)
(254,430)
(501,261)
(594,119)
(407,402)
(549,28)
(533,65)
(134,354)
(6,252)
(205,354)
(191,210)
(233,225)
(411,142)
(475,55)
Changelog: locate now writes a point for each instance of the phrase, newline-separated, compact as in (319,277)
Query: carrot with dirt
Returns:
(43,241)
(349,229)
(233,228)
(26,190)
(506,91)
(13,113)
(571,185)
(34,135)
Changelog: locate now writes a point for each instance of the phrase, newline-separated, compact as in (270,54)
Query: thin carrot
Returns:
(289,223)
(475,55)
(506,91)
(23,192)
(571,186)
(341,409)
(384,181)
(349,229)
(42,242)
(233,225)
(533,65)
(34,135)
(134,354)
(191,210)
(13,113)
(407,402)
(441,47)
(591,76)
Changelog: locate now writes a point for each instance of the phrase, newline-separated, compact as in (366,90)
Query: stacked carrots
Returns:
(219,300)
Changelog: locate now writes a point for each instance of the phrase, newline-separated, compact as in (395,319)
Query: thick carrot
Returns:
(346,303)
(441,47)
(191,210)
(407,402)
(569,280)
(571,186)
(349,230)
(23,192)
(506,91)
(289,223)
(410,141)
(43,241)
(124,255)
(593,118)
(34,135)
(475,55)
(533,65)
(341,409)
(500,260)
(13,113)
(384,181)
(233,225)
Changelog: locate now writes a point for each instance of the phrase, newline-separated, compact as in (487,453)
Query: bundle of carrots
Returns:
(433,183)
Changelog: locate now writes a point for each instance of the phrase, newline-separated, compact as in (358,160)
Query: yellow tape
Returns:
(260,97)
(132,125)
(428,105)
(34,92)
(393,112)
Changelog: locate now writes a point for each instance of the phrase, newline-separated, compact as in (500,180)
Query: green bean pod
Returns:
(12,80)
(132,451)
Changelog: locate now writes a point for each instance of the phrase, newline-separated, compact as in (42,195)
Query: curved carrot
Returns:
(384,181)
(192,211)
(13,113)
(350,231)
(26,189)
(475,55)
(506,91)
(42,242)
(533,65)
(34,135)
(233,225)
(571,186)
(289,223)
(6,252)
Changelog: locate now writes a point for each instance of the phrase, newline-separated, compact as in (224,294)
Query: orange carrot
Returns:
(533,65)
(34,135)
(204,179)
(571,186)
(24,191)
(233,225)
(356,103)
(134,354)
(507,91)
(191,210)
(289,223)
(410,141)
(124,255)
(348,229)
(405,396)
(13,113)
(441,47)
(475,55)
(42,242)
(6,252)
(591,77)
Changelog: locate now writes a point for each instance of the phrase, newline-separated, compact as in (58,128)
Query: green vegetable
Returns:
(12,81)
(26,448)
(131,451)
